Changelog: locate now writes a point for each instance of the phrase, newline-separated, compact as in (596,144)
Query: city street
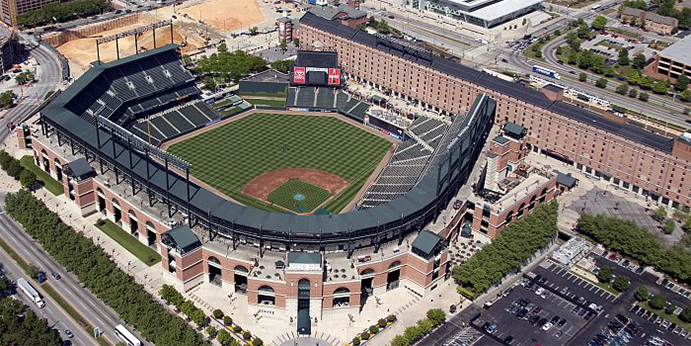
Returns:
(51,312)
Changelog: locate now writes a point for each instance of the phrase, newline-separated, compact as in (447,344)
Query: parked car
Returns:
(69,333)
(55,275)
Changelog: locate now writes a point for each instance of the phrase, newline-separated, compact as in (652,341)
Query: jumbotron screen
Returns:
(317,69)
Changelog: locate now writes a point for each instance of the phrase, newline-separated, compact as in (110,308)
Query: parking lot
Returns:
(559,279)
(530,314)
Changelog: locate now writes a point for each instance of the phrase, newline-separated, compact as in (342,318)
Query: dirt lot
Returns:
(226,15)
(82,52)
(263,185)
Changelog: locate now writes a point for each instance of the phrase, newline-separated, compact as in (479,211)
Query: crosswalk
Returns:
(467,336)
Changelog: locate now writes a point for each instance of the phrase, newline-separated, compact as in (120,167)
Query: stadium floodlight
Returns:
(141,145)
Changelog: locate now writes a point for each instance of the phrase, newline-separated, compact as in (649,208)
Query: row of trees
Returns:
(636,242)
(658,302)
(224,67)
(413,334)
(94,268)
(171,296)
(7,99)
(20,327)
(373,330)
(63,12)
(620,283)
(509,251)
(14,169)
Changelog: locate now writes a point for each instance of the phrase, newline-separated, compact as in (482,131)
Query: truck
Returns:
(546,72)
(31,292)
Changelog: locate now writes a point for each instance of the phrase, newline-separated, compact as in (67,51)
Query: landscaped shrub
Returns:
(227,321)
(391,318)
(257,342)
(382,323)
(246,335)
(218,314)
(237,329)
(374,329)
(356,341)
(364,336)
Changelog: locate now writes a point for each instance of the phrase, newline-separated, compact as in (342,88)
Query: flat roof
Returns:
(502,8)
(679,51)
(426,241)
(511,89)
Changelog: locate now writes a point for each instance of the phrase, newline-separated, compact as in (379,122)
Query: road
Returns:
(55,317)
(91,308)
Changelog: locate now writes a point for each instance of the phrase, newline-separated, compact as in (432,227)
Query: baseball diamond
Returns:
(230,156)
(298,196)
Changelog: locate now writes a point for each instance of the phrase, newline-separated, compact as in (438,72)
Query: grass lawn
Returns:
(230,156)
(15,256)
(268,103)
(231,111)
(284,196)
(669,317)
(48,182)
(132,244)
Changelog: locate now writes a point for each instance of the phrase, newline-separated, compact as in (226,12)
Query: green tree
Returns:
(413,333)
(641,293)
(622,89)
(218,314)
(6,99)
(604,275)
(668,227)
(211,331)
(686,95)
(425,325)
(633,93)
(621,283)
(227,321)
(27,178)
(296,42)
(599,23)
(15,169)
(610,72)
(685,314)
(437,316)
(660,214)
(583,77)
(400,340)
(198,317)
(257,342)
(657,302)
(601,83)
(224,337)
(623,57)
(682,83)
(643,97)
(20,327)
(254,30)
(634,78)
(283,45)
(660,87)
(639,61)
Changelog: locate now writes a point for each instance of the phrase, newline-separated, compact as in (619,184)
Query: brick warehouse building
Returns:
(623,154)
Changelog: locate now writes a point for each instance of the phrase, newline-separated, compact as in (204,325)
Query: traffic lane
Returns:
(572,287)
(54,315)
(92,309)
(650,328)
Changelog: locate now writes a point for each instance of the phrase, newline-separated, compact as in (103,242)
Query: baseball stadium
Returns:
(290,191)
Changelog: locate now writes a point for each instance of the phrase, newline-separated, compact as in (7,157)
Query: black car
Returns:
(508,339)
(452,308)
(522,313)
(55,275)
(555,320)
(41,277)
(542,322)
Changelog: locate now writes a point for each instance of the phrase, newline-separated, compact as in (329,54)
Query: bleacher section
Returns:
(407,163)
(326,99)
(173,122)
(134,85)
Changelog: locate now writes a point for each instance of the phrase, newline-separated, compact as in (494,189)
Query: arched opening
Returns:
(543,195)
(509,217)
(341,297)
(46,161)
(101,200)
(519,214)
(58,170)
(368,271)
(150,234)
(531,205)
(240,277)
(366,284)
(117,214)
(215,271)
(393,276)
(266,295)
(134,225)
(304,321)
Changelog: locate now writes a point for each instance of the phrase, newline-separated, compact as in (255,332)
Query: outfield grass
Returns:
(132,244)
(268,103)
(48,182)
(284,196)
(229,156)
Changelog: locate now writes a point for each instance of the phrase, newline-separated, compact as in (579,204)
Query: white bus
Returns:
(128,338)
(595,7)
(30,292)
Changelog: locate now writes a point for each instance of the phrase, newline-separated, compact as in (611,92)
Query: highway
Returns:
(55,317)
(92,309)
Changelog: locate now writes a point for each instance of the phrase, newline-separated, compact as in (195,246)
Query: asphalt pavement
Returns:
(55,317)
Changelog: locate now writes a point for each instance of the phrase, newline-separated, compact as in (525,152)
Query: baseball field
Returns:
(285,162)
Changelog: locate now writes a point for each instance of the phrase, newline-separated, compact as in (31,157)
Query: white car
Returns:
(547,326)
(539,291)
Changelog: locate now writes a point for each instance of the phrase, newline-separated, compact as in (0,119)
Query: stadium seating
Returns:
(175,121)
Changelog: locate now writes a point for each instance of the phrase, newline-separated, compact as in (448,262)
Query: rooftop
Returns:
(502,8)
(514,90)
(183,238)
(331,13)
(679,51)
(426,242)
(269,75)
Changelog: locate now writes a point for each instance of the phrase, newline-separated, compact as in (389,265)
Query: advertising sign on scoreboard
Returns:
(334,76)
(299,75)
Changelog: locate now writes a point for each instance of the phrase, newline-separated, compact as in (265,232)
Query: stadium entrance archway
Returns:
(241,279)
(101,200)
(304,321)
(117,214)
(393,276)
(134,225)
(58,170)
(150,235)
(215,271)
(366,285)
